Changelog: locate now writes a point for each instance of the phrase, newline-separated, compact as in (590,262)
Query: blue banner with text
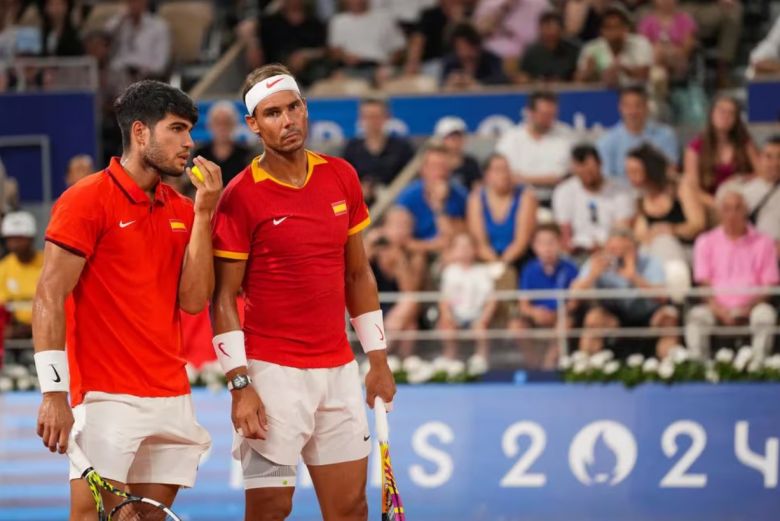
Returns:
(496,452)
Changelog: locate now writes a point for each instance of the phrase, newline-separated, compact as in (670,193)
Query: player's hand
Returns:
(379,379)
(248,414)
(55,420)
(210,188)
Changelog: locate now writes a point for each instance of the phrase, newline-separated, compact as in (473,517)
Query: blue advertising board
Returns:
(496,452)
(417,115)
(69,120)
(764,101)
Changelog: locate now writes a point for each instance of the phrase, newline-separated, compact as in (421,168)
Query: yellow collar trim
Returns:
(259,173)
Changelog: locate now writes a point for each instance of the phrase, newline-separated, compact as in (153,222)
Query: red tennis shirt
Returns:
(293,240)
(123,327)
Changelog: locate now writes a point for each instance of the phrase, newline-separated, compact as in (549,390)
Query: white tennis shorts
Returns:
(318,414)
(140,440)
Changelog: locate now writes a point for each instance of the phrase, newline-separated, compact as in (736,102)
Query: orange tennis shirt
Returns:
(293,240)
(123,327)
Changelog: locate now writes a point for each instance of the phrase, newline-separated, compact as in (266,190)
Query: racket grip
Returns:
(77,456)
(380,419)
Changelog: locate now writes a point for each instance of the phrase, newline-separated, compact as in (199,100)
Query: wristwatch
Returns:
(239,382)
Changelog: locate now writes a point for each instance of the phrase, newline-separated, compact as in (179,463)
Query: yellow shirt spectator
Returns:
(17,285)
(19,271)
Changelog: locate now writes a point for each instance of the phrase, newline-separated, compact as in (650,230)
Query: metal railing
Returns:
(54,73)
(561,332)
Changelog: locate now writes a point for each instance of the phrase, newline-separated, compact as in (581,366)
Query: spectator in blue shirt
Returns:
(620,266)
(635,129)
(437,204)
(549,270)
(500,216)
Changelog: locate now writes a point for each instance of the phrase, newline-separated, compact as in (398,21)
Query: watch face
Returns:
(240,381)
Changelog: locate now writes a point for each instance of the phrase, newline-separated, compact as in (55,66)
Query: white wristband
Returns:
(370,329)
(230,350)
(52,369)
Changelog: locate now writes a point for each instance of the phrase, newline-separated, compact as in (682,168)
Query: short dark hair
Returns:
(639,90)
(492,157)
(617,9)
(654,163)
(583,151)
(551,16)
(149,102)
(541,95)
(466,32)
(375,100)
(548,227)
(262,73)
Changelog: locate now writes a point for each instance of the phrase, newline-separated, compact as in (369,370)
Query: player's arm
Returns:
(363,306)
(196,283)
(60,274)
(247,412)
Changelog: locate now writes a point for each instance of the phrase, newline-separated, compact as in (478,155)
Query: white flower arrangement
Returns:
(745,365)
(724,355)
(611,367)
(666,369)
(635,360)
(650,366)
(394,363)
(677,366)
(476,366)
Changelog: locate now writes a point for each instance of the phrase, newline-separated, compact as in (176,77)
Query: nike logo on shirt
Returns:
(123,224)
(277,222)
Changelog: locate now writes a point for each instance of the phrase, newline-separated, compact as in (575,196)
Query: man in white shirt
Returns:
(588,205)
(142,41)
(538,151)
(618,57)
(761,191)
(765,58)
(360,37)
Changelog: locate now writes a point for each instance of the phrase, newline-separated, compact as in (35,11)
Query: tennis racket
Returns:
(392,507)
(132,508)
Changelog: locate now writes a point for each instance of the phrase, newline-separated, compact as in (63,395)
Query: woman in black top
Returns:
(59,36)
(669,213)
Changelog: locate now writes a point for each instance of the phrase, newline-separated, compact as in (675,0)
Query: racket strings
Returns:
(140,511)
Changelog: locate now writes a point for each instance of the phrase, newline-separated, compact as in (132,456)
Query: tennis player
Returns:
(123,253)
(287,231)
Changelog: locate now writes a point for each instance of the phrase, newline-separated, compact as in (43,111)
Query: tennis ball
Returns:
(198,174)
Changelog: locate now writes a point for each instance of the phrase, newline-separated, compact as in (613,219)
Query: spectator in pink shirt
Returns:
(509,26)
(733,255)
(672,32)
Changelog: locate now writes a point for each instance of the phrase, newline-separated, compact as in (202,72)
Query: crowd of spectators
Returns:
(638,207)
(625,211)
(470,44)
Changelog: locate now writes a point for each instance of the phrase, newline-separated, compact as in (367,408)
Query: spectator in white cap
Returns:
(19,271)
(451,131)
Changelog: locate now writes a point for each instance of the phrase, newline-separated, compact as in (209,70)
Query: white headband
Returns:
(268,86)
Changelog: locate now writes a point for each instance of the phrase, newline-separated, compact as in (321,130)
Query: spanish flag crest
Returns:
(178,225)
(339,207)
